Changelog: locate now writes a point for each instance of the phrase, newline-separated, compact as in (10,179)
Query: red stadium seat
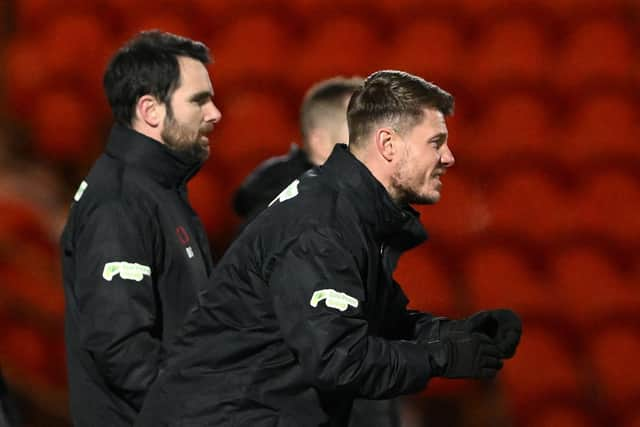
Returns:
(22,222)
(530,204)
(311,12)
(544,369)
(499,276)
(210,15)
(69,52)
(253,47)
(608,205)
(407,9)
(205,193)
(431,48)
(614,353)
(578,62)
(514,126)
(460,213)
(75,51)
(488,9)
(25,349)
(261,126)
(558,415)
(178,17)
(34,290)
(426,283)
(514,49)
(73,42)
(25,77)
(32,15)
(632,420)
(64,127)
(591,289)
(575,9)
(344,45)
(603,126)
(164,21)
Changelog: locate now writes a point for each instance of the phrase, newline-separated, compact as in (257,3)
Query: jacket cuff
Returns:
(417,362)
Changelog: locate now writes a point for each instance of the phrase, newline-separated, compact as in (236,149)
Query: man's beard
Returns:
(183,140)
(403,192)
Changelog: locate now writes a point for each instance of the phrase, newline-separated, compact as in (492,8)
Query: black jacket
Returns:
(134,257)
(302,314)
(267,181)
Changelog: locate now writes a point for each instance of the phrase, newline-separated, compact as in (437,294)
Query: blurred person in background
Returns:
(134,253)
(323,123)
(302,315)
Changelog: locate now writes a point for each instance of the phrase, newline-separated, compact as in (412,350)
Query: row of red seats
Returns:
(597,377)
(30,14)
(264,47)
(578,286)
(510,126)
(33,353)
(532,204)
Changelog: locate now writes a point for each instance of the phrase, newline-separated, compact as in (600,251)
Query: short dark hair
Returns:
(147,64)
(395,97)
(324,98)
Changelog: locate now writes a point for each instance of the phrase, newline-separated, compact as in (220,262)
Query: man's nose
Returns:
(212,113)
(447,158)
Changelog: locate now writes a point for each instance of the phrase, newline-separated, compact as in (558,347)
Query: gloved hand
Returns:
(503,326)
(464,355)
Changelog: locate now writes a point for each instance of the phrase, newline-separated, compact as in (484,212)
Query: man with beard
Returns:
(134,253)
(323,124)
(302,314)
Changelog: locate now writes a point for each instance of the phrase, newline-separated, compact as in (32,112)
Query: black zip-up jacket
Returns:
(252,197)
(134,258)
(302,314)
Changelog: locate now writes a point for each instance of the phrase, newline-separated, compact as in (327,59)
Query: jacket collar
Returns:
(167,167)
(300,156)
(398,225)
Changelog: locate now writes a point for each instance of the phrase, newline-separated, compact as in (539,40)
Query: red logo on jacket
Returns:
(182,235)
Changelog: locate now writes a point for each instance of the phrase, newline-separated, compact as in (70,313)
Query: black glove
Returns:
(464,355)
(503,326)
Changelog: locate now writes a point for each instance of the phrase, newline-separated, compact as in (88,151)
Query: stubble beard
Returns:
(407,191)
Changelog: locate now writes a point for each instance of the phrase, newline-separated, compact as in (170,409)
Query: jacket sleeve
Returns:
(319,301)
(114,293)
(402,323)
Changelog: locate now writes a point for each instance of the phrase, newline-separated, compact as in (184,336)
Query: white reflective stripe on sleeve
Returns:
(333,299)
(126,270)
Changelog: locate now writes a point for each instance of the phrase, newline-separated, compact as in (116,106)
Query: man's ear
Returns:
(385,143)
(150,111)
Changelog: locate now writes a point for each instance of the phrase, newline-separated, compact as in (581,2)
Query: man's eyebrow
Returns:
(201,96)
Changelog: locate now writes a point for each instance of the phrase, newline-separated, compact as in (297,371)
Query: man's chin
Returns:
(425,199)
